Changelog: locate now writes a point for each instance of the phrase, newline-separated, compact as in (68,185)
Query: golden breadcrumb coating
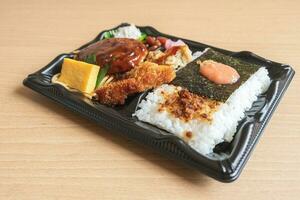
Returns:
(143,77)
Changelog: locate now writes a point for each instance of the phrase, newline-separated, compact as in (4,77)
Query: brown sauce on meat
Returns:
(122,54)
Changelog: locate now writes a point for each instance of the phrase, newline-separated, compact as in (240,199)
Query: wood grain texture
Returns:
(47,152)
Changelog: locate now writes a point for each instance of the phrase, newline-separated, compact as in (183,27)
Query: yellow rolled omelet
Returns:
(79,75)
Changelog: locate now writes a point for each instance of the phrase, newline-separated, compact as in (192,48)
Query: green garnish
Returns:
(102,73)
(143,37)
(91,59)
(109,34)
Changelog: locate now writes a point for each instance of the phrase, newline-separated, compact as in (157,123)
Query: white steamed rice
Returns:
(225,119)
(197,54)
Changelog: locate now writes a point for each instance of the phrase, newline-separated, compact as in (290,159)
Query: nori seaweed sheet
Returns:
(190,78)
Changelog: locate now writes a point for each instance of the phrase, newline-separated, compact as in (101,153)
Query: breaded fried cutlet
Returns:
(115,93)
(143,77)
(149,75)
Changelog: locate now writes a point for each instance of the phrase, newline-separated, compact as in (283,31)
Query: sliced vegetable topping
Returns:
(103,71)
(91,59)
(143,37)
(109,34)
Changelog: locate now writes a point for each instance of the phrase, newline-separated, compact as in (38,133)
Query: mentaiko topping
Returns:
(168,107)
(187,106)
(217,72)
(189,77)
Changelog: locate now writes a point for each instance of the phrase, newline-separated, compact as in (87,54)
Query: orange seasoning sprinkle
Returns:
(187,106)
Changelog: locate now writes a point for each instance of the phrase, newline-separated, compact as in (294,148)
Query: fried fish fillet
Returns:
(143,77)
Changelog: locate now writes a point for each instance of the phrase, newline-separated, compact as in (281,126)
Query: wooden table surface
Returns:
(48,152)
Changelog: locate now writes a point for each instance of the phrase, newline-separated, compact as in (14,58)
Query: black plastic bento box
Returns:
(226,165)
